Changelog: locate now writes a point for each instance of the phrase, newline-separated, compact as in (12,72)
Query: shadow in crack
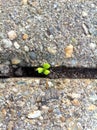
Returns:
(56,72)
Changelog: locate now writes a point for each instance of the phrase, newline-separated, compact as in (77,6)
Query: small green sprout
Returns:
(44,69)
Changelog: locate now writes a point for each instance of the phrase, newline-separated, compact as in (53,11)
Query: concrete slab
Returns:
(42,104)
(58,32)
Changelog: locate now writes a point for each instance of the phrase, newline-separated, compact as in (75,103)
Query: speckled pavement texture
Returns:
(43,104)
(60,32)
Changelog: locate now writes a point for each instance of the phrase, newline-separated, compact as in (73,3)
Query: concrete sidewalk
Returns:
(43,104)
(58,32)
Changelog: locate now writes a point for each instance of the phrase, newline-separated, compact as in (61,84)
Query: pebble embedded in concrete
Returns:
(6,43)
(16,45)
(15,61)
(34,114)
(12,35)
(32,55)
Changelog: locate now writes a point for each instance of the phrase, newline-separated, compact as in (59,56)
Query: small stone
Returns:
(24,2)
(12,35)
(51,93)
(74,62)
(2,86)
(50,110)
(85,28)
(6,43)
(15,61)
(38,99)
(55,6)
(93,98)
(75,102)
(15,90)
(75,126)
(1,49)
(93,31)
(34,3)
(39,11)
(92,45)
(95,115)
(32,55)
(34,114)
(84,14)
(73,40)
(50,84)
(62,118)
(92,107)
(52,50)
(57,112)
(4,69)
(4,112)
(10,126)
(50,31)
(16,45)
(20,103)
(67,102)
(13,112)
(92,5)
(41,118)
(45,108)
(26,48)
(25,37)
(69,51)
(74,95)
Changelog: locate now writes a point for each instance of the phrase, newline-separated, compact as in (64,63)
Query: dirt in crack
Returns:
(56,72)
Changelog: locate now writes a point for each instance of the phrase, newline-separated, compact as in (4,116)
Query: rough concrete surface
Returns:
(60,32)
(43,104)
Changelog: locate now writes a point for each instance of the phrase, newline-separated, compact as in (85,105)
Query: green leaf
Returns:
(40,70)
(46,66)
(46,72)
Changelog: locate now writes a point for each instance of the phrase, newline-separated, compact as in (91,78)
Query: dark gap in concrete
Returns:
(56,72)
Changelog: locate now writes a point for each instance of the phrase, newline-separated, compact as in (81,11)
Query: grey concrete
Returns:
(51,26)
(43,104)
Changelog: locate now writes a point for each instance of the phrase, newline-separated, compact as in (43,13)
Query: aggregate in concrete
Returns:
(51,27)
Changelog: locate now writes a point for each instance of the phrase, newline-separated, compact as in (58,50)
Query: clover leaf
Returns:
(44,69)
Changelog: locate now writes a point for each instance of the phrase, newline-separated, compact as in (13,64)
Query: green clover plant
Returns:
(44,69)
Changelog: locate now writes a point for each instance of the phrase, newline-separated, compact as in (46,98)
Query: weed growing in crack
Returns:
(44,69)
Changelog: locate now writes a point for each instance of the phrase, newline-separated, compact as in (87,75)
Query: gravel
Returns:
(43,29)
(6,43)
(32,55)
(12,35)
